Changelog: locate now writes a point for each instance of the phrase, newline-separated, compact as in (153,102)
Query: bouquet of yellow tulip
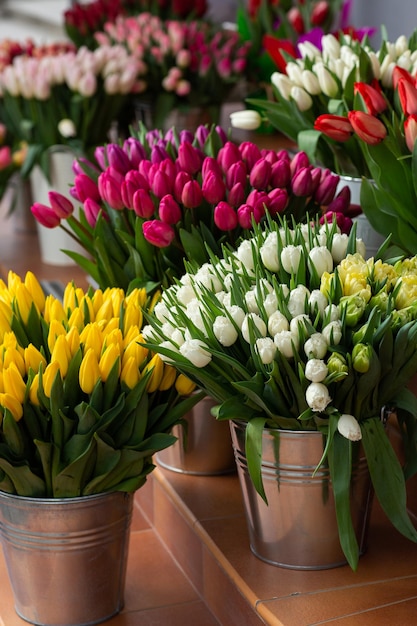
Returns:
(295,330)
(83,406)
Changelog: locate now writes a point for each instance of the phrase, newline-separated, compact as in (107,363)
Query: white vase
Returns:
(52,241)
(371,238)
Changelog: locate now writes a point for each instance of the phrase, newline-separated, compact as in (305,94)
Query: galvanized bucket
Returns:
(66,558)
(298,528)
(207,449)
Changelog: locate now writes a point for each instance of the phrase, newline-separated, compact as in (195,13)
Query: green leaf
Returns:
(253,450)
(387,476)
(25,482)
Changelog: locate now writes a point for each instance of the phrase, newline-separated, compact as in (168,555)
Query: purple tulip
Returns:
(135,151)
(118,159)
(280,174)
(326,190)
(189,158)
(299,161)
(245,215)
(180,180)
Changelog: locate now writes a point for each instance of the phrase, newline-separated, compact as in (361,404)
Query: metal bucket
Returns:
(298,528)
(207,449)
(66,558)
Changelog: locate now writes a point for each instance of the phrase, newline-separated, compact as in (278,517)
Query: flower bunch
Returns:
(321,84)
(281,26)
(10,48)
(186,63)
(295,330)
(386,130)
(83,406)
(65,97)
(159,199)
(83,20)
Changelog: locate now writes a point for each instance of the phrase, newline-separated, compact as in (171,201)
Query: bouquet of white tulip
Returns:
(295,330)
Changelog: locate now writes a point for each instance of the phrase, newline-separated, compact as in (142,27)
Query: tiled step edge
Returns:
(226,594)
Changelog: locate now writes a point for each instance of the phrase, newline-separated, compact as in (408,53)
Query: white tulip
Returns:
(246,120)
(185,294)
(339,246)
(196,351)
(308,50)
(302,99)
(161,311)
(299,321)
(224,331)
(322,259)
(316,346)
(66,128)
(361,248)
(316,370)
(327,83)
(332,333)
(283,84)
(193,311)
(237,314)
(271,303)
(170,346)
(401,45)
(244,254)
(207,277)
(332,313)
(257,322)
(317,396)
(330,47)
(310,82)
(317,302)
(294,73)
(266,349)
(251,301)
(349,427)
(269,252)
(298,300)
(291,257)
(287,342)
(277,322)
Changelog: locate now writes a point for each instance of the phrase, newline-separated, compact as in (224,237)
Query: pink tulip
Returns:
(110,189)
(225,217)
(236,195)
(86,188)
(228,155)
(278,201)
(213,188)
(326,189)
(180,180)
(189,158)
(45,215)
(280,173)
(260,174)
(245,215)
(161,184)
(237,173)
(142,204)
(62,207)
(91,211)
(158,233)
(302,182)
(5,157)
(169,210)
(300,160)
(192,195)
(250,153)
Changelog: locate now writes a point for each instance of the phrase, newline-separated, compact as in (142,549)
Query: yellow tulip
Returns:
(1,381)
(13,383)
(33,358)
(61,354)
(135,350)
(110,325)
(105,312)
(168,379)
(407,293)
(72,297)
(6,315)
(108,359)
(13,280)
(10,402)
(54,310)
(86,306)
(114,336)
(33,390)
(48,377)
(184,385)
(56,329)
(130,374)
(97,299)
(73,340)
(156,367)
(133,316)
(92,337)
(131,333)
(77,319)
(24,302)
(89,371)
(16,356)
(117,297)
(34,287)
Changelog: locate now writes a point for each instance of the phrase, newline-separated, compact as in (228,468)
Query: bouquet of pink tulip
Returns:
(159,199)
(185,63)
(320,85)
(83,20)
(63,96)
(12,158)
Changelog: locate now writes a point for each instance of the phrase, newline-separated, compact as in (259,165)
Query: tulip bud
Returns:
(60,204)
(228,155)
(302,182)
(410,131)
(278,201)
(299,161)
(45,215)
(158,233)
(117,158)
(110,190)
(225,217)
(135,151)
(295,18)
(213,188)
(169,210)
(92,211)
(7,401)
(246,120)
(130,374)
(316,346)
(320,13)
(361,357)
(280,173)
(156,367)
(61,354)
(326,189)
(192,195)
(407,94)
(184,386)
(349,427)
(327,83)
(291,257)
(13,383)
(336,127)
(302,99)
(236,195)
(337,364)
(373,98)
(368,128)
(260,174)
(108,359)
(89,373)
(237,173)
(48,377)
(189,158)
(317,397)
(315,370)
(354,307)
(321,258)
(245,216)
(250,153)
(169,377)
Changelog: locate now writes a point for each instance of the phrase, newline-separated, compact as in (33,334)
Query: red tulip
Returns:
(398,73)
(410,131)
(368,128)
(407,94)
(319,13)
(374,100)
(296,20)
(336,127)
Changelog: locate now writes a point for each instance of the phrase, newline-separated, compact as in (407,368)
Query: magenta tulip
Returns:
(213,188)
(225,217)
(60,204)
(45,215)
(169,210)
(142,204)
(158,233)
(192,195)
